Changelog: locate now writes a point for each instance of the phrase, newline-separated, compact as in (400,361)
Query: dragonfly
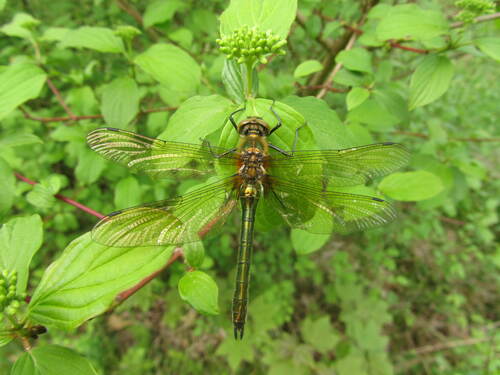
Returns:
(295,186)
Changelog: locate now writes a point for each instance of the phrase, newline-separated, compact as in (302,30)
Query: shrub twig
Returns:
(63,198)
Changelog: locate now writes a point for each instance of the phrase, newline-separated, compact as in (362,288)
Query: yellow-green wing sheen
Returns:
(353,166)
(325,211)
(169,222)
(156,157)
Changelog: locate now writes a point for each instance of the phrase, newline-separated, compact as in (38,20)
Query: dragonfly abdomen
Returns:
(240,298)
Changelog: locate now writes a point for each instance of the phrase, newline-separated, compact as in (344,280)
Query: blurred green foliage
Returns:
(417,297)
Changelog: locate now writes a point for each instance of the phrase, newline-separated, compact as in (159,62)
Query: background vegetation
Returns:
(419,296)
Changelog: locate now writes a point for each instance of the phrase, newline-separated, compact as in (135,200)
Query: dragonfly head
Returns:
(253,127)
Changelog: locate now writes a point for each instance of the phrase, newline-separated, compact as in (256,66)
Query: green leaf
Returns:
(436,131)
(319,333)
(52,360)
(183,36)
(411,186)
(20,26)
(82,100)
(275,15)
(307,67)
(353,363)
(160,11)
(170,66)
(5,336)
(86,279)
(54,34)
(373,114)
(430,80)
(120,102)
(54,182)
(7,187)
(90,166)
(200,291)
(194,253)
(69,134)
(390,98)
(41,197)
(236,351)
(99,39)
(356,96)
(19,139)
(18,84)
(20,239)
(305,243)
(379,11)
(323,122)
(127,193)
(357,59)
(2,4)
(409,20)
(347,77)
(196,118)
(233,81)
(490,46)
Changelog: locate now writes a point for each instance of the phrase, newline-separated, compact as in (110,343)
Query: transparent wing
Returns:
(325,211)
(156,157)
(169,222)
(353,166)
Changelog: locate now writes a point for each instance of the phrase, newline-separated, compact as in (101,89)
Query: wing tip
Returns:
(114,213)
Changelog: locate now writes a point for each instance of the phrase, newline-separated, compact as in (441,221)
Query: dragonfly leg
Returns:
(214,154)
(281,151)
(297,137)
(294,145)
(231,118)
(278,125)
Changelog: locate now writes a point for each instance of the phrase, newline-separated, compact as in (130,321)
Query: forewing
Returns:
(156,157)
(353,166)
(169,222)
(325,211)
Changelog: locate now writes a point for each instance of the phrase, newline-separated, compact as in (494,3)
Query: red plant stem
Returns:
(160,109)
(392,44)
(315,87)
(486,17)
(450,220)
(87,117)
(60,98)
(63,198)
(416,50)
(120,298)
(126,294)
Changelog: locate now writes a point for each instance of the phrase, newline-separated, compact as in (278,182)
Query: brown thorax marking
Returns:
(251,172)
(252,164)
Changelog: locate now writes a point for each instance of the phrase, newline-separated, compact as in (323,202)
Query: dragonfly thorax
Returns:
(251,168)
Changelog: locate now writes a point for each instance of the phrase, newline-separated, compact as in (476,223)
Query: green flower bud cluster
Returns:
(127,32)
(9,301)
(473,8)
(247,45)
